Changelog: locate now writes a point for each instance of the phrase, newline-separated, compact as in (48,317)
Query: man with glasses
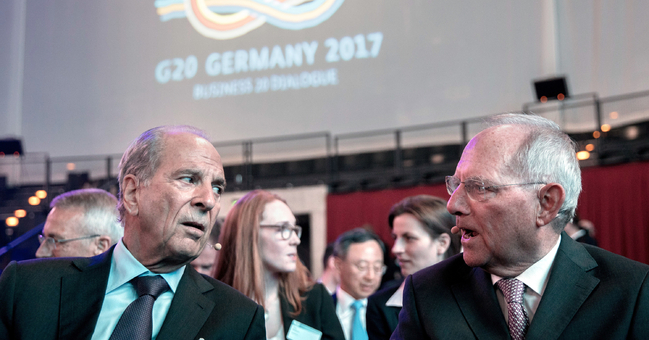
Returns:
(82,223)
(513,191)
(171,179)
(358,256)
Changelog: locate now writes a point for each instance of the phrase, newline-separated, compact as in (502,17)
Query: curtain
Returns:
(614,198)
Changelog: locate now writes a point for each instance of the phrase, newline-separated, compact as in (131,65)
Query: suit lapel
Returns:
(477,300)
(568,287)
(82,294)
(189,308)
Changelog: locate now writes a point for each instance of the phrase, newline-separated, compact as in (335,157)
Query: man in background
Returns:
(579,234)
(204,263)
(330,277)
(82,223)
(359,259)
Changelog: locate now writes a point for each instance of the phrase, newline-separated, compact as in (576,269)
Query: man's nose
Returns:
(457,204)
(370,274)
(205,198)
(43,251)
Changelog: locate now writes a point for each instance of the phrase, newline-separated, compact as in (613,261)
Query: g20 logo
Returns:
(228,19)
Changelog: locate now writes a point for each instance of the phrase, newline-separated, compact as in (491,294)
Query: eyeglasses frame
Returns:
(481,187)
(46,239)
(285,226)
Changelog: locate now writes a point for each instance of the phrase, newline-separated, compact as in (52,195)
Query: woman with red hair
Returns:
(259,258)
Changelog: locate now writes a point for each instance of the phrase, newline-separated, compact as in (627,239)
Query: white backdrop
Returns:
(79,77)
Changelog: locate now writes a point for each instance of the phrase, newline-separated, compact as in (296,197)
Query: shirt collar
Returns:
(124,267)
(345,300)
(396,300)
(578,234)
(536,276)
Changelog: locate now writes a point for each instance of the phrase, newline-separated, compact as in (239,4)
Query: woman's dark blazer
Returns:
(318,311)
(381,319)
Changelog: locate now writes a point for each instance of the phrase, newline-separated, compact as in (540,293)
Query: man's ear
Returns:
(337,262)
(102,244)
(130,195)
(551,198)
(331,262)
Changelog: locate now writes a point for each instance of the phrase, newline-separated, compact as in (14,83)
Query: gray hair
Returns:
(358,235)
(142,157)
(99,211)
(547,155)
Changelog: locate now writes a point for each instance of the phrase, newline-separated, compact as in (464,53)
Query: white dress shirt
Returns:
(346,313)
(535,279)
(396,300)
(120,293)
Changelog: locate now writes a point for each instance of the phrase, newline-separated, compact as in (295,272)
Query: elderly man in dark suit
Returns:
(514,189)
(171,179)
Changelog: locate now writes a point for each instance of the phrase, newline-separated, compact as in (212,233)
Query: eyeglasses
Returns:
(285,229)
(51,242)
(365,267)
(476,189)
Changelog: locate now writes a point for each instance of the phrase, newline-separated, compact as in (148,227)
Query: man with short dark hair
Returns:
(359,259)
(513,191)
(330,277)
(171,179)
(82,223)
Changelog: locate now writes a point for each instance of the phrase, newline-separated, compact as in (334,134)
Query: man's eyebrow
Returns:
(220,181)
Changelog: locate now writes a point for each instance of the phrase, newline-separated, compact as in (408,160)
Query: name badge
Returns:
(300,331)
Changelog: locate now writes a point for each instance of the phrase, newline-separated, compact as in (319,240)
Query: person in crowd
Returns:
(513,191)
(171,179)
(330,277)
(577,233)
(204,263)
(589,226)
(359,258)
(421,228)
(259,258)
(81,223)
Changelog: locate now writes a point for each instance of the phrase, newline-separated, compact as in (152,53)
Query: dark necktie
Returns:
(136,322)
(513,291)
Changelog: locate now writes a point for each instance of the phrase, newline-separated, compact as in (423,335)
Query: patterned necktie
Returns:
(513,291)
(136,321)
(358,331)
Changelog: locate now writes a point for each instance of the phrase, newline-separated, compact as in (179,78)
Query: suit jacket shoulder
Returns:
(381,320)
(317,311)
(593,293)
(52,298)
(207,308)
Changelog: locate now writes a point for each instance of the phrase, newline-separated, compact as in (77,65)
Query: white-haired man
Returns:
(513,191)
(82,223)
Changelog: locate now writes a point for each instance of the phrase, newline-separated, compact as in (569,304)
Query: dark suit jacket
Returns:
(61,299)
(591,294)
(381,319)
(317,311)
(588,240)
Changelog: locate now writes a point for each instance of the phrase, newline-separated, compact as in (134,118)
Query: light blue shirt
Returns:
(120,292)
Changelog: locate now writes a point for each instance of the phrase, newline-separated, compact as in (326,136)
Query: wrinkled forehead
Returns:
(490,151)
(177,145)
